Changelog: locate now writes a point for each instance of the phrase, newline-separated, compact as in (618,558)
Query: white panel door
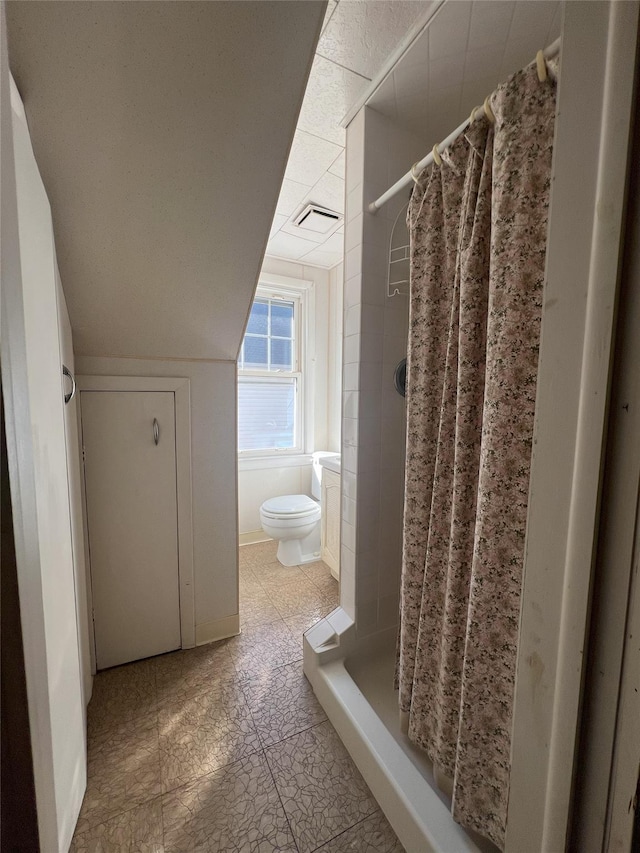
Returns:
(34,414)
(132,517)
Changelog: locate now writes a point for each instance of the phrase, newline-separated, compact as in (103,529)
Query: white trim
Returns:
(218,629)
(259,463)
(253,537)
(181,389)
(582,273)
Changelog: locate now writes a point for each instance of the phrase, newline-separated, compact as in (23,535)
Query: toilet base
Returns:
(297,552)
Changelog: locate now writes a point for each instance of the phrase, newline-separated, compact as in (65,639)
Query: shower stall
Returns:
(350,657)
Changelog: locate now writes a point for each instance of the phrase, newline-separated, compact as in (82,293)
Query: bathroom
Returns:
(215,739)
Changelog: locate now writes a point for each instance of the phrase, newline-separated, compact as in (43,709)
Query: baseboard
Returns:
(219,629)
(253,537)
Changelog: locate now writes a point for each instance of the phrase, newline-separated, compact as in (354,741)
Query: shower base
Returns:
(353,681)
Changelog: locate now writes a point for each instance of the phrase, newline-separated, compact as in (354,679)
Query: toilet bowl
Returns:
(294,521)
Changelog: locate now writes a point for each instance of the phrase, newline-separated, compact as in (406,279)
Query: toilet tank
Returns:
(316,472)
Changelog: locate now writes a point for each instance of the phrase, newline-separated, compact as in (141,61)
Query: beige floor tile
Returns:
(317,569)
(372,835)
(276,575)
(303,590)
(123,770)
(257,608)
(282,703)
(235,809)
(201,732)
(250,585)
(260,554)
(301,622)
(136,831)
(321,789)
(328,584)
(193,670)
(291,600)
(260,648)
(122,693)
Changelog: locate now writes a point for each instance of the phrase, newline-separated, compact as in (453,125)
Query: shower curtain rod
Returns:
(548,53)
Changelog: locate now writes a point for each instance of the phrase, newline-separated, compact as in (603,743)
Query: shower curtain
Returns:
(478,228)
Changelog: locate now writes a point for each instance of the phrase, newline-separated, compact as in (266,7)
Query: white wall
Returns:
(261,479)
(213,446)
(375,340)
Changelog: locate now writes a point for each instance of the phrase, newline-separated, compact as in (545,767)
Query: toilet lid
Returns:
(289,505)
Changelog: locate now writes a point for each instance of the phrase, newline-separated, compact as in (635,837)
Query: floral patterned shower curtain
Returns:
(478,228)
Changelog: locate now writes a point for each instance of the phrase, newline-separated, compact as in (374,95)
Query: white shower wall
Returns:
(375,340)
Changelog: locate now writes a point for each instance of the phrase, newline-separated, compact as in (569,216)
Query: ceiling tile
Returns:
(320,258)
(334,243)
(291,196)
(310,158)
(449,30)
(278,221)
(338,166)
(287,246)
(361,34)
(329,192)
(331,8)
(490,22)
(331,91)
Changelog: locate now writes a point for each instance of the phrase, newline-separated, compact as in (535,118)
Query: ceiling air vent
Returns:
(318,220)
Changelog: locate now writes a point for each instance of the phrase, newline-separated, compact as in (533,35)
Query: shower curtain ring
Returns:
(488,111)
(541,66)
(437,159)
(413,172)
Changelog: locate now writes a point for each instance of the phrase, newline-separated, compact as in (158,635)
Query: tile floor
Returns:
(224,747)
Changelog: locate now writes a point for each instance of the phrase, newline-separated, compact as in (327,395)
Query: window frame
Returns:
(296,291)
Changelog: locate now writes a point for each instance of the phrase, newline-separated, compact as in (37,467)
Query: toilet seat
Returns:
(294,521)
(290,507)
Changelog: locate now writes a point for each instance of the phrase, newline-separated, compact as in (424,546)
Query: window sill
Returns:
(256,463)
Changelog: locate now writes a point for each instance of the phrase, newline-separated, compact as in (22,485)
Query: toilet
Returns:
(294,521)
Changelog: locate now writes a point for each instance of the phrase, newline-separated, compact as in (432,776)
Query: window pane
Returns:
(266,414)
(259,317)
(255,353)
(282,319)
(280,355)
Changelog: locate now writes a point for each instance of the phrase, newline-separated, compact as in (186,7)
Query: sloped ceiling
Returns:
(162,131)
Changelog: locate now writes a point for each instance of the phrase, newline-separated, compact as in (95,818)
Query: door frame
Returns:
(182,395)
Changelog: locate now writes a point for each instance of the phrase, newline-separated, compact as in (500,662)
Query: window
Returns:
(269,377)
